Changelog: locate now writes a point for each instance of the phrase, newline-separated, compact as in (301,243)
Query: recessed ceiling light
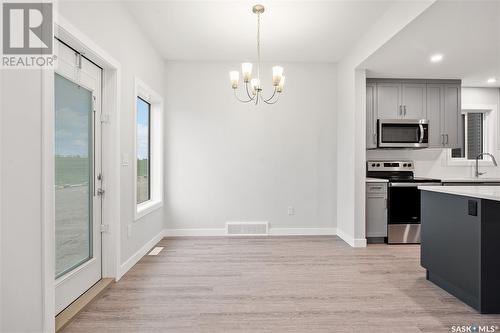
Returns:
(437,58)
(492,80)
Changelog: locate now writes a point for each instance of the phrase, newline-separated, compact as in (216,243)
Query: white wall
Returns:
(111,27)
(21,295)
(21,247)
(228,161)
(434,162)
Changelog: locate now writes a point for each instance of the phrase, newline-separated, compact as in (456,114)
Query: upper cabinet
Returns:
(388,99)
(439,101)
(413,100)
(444,114)
(371,117)
(400,100)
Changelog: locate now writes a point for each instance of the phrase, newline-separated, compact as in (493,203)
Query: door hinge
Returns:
(100,192)
(104,227)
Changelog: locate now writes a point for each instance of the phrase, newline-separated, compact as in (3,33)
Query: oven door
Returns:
(403,213)
(403,133)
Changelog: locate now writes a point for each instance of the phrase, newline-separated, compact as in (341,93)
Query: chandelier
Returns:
(254,92)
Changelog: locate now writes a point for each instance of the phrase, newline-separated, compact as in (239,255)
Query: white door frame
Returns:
(110,161)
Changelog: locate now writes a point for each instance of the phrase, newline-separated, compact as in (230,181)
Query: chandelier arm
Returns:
(257,98)
(248,93)
(273,102)
(270,98)
(239,99)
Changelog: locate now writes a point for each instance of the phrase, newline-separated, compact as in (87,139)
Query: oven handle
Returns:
(413,184)
(421,133)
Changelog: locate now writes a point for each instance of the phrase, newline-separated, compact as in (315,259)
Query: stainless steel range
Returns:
(403,201)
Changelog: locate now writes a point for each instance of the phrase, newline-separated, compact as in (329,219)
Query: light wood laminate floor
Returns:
(276,284)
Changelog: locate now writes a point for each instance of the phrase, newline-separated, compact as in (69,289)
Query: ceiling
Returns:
(292,31)
(466,33)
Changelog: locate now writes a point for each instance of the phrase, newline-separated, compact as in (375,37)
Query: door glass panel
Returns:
(73,175)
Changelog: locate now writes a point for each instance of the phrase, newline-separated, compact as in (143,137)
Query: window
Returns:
(143,150)
(479,127)
(473,138)
(148,165)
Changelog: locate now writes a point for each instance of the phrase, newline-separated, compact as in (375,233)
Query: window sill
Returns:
(147,207)
(462,162)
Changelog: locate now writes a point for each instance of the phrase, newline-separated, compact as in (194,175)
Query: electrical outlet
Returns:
(291,210)
(129,230)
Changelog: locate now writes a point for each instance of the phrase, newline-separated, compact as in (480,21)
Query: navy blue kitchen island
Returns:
(460,242)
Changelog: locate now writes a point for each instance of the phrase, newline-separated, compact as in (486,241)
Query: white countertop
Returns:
(376,180)
(471,180)
(480,192)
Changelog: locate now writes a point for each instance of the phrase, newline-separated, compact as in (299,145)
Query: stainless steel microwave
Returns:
(403,133)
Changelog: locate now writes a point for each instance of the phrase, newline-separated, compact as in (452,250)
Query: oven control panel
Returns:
(390,165)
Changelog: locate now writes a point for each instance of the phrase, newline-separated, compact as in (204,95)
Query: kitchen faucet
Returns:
(477,163)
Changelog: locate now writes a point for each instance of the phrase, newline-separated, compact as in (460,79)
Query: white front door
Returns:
(77,87)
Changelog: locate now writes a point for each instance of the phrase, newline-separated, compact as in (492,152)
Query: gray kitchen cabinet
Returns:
(439,101)
(444,115)
(371,117)
(413,100)
(376,210)
(388,101)
(435,107)
(452,115)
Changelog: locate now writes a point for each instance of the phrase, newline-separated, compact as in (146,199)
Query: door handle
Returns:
(421,133)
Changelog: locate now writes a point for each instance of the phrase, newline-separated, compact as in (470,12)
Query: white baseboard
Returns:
(354,242)
(194,232)
(272,232)
(139,254)
(302,231)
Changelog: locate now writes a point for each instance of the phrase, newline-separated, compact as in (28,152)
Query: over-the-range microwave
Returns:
(403,133)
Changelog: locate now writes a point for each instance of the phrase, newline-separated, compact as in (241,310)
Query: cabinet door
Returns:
(388,101)
(371,118)
(452,115)
(435,106)
(414,100)
(376,216)
(376,210)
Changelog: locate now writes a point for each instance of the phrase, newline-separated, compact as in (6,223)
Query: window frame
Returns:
(490,138)
(147,94)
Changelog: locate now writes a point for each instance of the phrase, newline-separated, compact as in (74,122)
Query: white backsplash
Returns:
(433,163)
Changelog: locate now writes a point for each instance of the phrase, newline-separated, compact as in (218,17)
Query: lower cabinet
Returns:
(376,210)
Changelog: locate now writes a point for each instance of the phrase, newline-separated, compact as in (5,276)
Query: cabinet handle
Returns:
(404,108)
(442,139)
(447,139)
(400,110)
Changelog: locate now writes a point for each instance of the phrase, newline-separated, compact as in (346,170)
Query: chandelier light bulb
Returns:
(234,76)
(246,69)
(281,84)
(255,83)
(277,74)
